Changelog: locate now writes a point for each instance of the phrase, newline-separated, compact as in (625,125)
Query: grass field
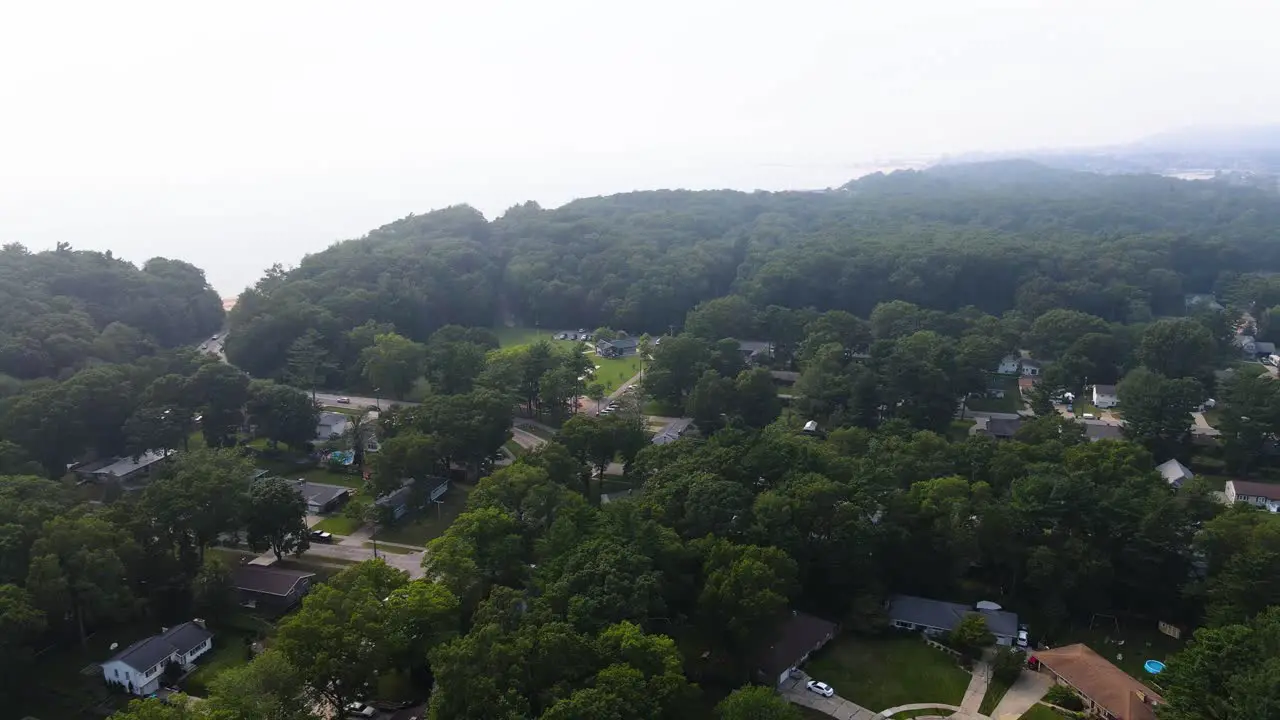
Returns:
(612,372)
(1041,712)
(1142,641)
(229,650)
(1011,401)
(886,672)
(995,692)
(428,524)
(959,430)
(338,524)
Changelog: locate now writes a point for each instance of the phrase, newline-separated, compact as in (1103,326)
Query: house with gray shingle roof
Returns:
(938,617)
(139,667)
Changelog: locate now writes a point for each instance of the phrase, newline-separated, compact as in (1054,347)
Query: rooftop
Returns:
(754,346)
(1105,389)
(793,637)
(1102,431)
(1174,472)
(145,653)
(1269,491)
(623,342)
(1100,681)
(123,466)
(946,615)
(672,431)
(318,494)
(267,580)
(1003,427)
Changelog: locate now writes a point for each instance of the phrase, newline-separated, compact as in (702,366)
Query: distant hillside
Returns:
(999,236)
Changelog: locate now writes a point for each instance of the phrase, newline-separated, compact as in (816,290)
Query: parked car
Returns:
(344,401)
(1089,416)
(1022,636)
(321,536)
(360,710)
(561,336)
(821,688)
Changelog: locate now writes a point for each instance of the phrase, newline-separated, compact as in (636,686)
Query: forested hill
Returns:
(999,236)
(63,310)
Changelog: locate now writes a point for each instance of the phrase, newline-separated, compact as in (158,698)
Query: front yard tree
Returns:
(275,517)
(393,364)
(482,548)
(268,688)
(677,364)
(212,591)
(198,497)
(340,639)
(409,454)
(1157,409)
(1226,673)
(744,589)
(1250,412)
(756,399)
(971,635)
(755,702)
(281,413)
(1177,347)
(21,624)
(78,571)
(308,362)
(222,391)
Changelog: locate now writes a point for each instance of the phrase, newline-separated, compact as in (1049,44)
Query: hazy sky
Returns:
(237,134)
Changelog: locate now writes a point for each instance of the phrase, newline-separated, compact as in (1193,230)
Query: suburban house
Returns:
(995,392)
(794,639)
(399,500)
(332,425)
(938,617)
(1207,300)
(270,587)
(1107,691)
(1030,368)
(125,469)
(1009,365)
(621,347)
(1253,347)
(1263,495)
(784,377)
(673,431)
(140,666)
(1174,472)
(321,498)
(1104,396)
(1096,431)
(1000,428)
(606,498)
(754,350)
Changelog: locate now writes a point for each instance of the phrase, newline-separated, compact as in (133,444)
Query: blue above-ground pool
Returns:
(1155,667)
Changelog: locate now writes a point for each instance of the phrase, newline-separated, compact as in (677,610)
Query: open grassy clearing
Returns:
(1011,401)
(612,372)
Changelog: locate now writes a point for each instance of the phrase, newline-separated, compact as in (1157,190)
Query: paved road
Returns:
(326,398)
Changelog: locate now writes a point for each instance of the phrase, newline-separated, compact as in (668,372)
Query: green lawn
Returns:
(325,476)
(1041,712)
(959,430)
(338,524)
(1213,416)
(880,673)
(1011,401)
(612,372)
(995,692)
(1142,641)
(419,528)
(229,650)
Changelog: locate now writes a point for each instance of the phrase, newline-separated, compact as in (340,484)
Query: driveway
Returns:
(1025,692)
(835,706)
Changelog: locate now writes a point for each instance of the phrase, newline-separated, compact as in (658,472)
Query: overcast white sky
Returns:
(237,134)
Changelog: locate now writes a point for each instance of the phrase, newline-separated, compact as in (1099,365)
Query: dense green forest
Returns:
(63,310)
(999,237)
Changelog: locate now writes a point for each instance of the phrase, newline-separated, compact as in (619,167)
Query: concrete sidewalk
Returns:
(1022,695)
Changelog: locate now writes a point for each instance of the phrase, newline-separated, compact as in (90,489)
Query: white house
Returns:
(1030,368)
(140,666)
(1174,472)
(1263,495)
(1008,365)
(1104,396)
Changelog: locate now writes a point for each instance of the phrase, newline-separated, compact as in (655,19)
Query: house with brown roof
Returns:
(1263,495)
(1107,691)
(794,638)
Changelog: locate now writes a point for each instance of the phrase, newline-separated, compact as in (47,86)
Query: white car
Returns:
(344,401)
(821,688)
(1022,637)
(360,710)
